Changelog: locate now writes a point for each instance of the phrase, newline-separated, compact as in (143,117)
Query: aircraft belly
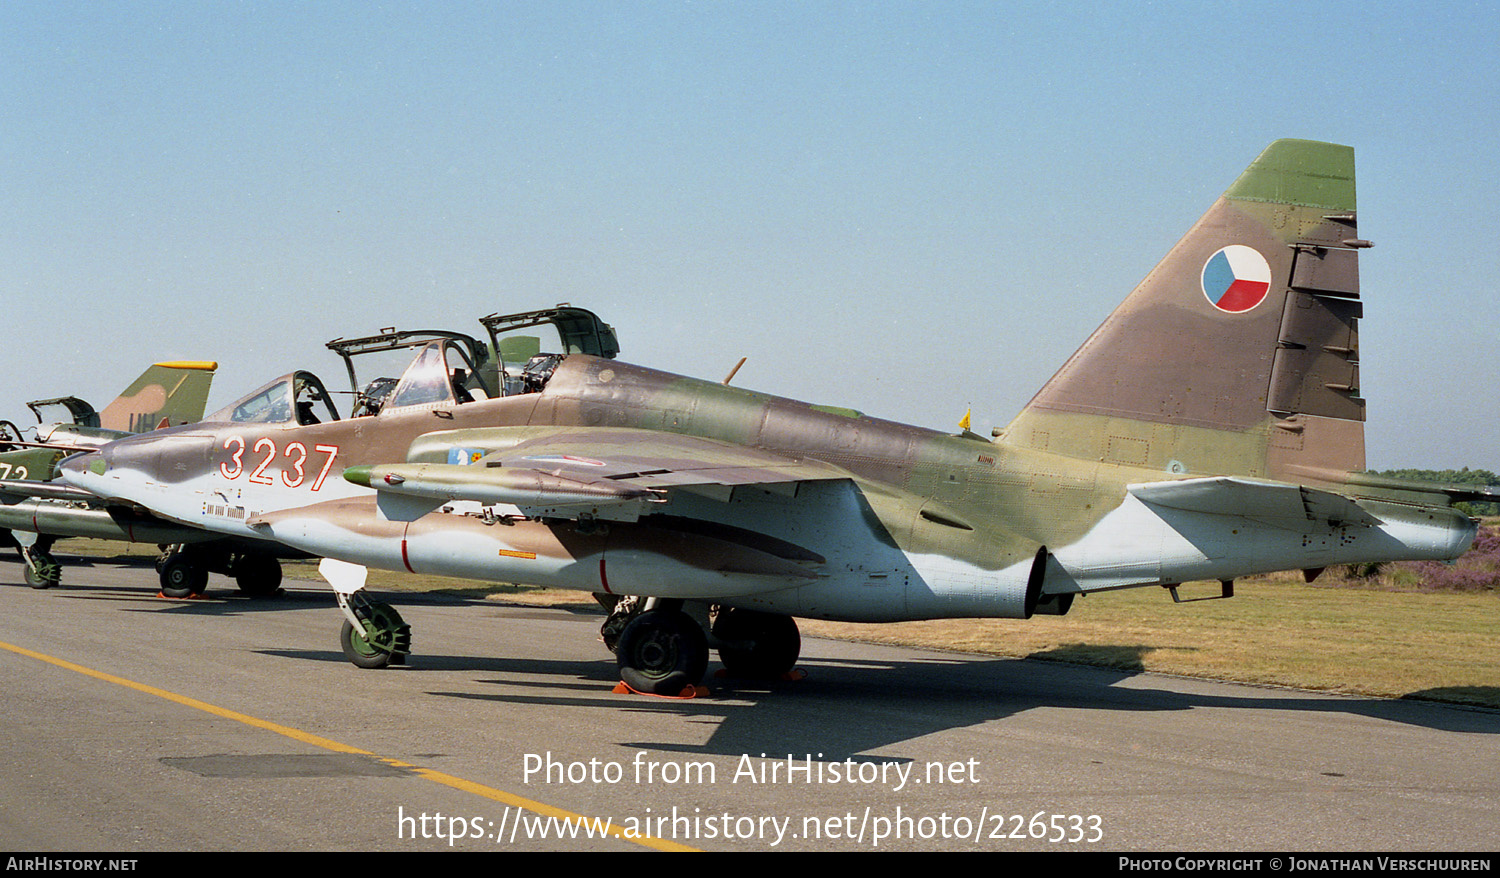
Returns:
(617,558)
(820,551)
(865,577)
(211,503)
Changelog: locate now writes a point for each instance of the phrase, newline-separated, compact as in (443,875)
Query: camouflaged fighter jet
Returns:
(1211,428)
(34,514)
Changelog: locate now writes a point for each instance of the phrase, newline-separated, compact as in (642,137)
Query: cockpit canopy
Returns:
(441,372)
(438,375)
(449,368)
(290,399)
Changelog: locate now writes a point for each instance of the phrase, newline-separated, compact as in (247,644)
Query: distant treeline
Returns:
(1463,476)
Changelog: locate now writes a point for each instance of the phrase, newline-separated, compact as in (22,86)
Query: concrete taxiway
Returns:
(133,723)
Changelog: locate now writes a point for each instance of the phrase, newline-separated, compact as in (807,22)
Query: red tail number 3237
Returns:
(293,468)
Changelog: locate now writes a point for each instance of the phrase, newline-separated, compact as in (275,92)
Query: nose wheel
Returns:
(383,638)
(374,634)
(42,570)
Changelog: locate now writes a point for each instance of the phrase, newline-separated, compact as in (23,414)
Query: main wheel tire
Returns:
(181,577)
(755,644)
(662,652)
(258,576)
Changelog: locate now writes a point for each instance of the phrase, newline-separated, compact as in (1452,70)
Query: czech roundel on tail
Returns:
(1211,428)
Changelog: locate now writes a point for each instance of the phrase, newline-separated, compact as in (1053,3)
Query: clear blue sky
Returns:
(903,208)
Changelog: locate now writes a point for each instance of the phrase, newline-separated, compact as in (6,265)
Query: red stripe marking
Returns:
(404,559)
(1243,295)
(603,580)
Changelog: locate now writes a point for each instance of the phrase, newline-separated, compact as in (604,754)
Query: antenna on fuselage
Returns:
(730,376)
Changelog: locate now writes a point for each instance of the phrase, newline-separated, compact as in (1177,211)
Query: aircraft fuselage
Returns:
(926,525)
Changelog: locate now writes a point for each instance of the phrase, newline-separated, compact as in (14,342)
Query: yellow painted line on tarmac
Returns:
(437,777)
(295,734)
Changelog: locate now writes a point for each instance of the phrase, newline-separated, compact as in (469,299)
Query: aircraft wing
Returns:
(558,470)
(1271,502)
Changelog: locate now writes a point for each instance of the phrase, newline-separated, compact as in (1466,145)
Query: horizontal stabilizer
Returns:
(1402,488)
(1464,493)
(1250,498)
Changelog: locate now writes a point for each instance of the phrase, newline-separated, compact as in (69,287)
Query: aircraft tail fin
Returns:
(165,394)
(1238,354)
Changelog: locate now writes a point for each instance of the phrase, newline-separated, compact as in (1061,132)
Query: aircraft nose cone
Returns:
(77,469)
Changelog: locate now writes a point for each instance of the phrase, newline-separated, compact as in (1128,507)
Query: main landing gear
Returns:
(661,650)
(184,570)
(755,644)
(182,574)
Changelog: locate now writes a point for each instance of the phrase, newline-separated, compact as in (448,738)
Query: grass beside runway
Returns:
(1378,634)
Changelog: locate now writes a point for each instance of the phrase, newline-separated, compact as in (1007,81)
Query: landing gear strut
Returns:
(662,651)
(622,610)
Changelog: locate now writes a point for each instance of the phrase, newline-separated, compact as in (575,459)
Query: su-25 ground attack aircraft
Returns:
(1211,428)
(33,516)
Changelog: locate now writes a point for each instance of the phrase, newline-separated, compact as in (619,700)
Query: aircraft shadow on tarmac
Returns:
(846,708)
(222,598)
